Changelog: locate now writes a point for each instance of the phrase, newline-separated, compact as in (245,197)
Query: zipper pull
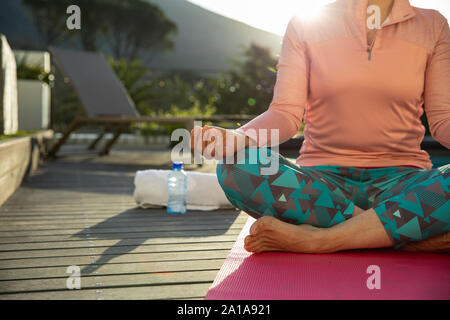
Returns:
(369,51)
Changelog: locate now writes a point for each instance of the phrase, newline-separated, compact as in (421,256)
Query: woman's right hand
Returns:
(217,143)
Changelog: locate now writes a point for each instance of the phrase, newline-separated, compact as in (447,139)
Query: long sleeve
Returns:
(285,112)
(437,90)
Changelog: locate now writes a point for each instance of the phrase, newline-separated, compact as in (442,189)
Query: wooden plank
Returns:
(175,291)
(120,220)
(141,237)
(117,225)
(122,258)
(114,212)
(114,250)
(66,194)
(95,230)
(122,233)
(68,207)
(48,236)
(82,231)
(108,242)
(108,281)
(112,222)
(140,244)
(113,268)
(35,237)
(107,210)
(118,234)
(113,226)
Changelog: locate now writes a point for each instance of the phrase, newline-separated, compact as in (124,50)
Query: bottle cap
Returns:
(177,165)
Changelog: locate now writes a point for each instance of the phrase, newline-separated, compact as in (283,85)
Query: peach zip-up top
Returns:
(362,106)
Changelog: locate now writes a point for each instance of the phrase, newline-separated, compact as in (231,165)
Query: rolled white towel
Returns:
(203,190)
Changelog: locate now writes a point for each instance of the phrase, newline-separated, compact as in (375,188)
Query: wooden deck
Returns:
(79,210)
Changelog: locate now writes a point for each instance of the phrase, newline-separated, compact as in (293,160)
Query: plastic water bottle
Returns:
(177,186)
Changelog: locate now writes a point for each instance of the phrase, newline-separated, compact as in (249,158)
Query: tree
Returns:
(93,23)
(136,25)
(123,27)
(50,19)
(135,78)
(248,87)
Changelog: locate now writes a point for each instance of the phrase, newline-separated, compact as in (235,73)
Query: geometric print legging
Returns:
(412,204)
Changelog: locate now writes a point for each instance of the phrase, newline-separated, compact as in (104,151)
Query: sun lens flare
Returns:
(308,10)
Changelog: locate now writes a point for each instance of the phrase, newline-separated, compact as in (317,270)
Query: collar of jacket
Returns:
(401,10)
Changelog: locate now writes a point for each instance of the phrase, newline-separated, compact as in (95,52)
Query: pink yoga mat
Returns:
(289,276)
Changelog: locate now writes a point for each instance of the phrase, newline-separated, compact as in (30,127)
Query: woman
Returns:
(361,180)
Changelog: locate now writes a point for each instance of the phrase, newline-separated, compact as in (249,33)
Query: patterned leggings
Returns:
(412,204)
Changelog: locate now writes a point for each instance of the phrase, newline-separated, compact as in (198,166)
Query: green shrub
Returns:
(29,72)
(17,134)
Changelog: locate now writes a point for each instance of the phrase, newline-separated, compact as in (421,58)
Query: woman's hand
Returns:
(216,142)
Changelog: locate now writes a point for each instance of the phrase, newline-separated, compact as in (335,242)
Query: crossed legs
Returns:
(314,215)
(363,230)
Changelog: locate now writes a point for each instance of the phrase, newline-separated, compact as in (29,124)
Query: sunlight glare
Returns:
(308,10)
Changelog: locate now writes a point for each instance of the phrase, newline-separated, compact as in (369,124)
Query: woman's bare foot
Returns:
(438,244)
(271,234)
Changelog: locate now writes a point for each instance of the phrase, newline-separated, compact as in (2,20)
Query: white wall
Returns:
(34,104)
(33,95)
(8,89)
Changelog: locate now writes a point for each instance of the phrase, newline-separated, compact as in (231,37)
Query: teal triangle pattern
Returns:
(338,218)
(320,186)
(265,191)
(297,213)
(339,193)
(443,213)
(390,226)
(288,179)
(249,168)
(297,193)
(411,229)
(350,208)
(322,215)
(324,200)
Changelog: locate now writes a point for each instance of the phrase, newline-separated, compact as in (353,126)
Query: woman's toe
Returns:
(252,243)
(262,224)
(249,243)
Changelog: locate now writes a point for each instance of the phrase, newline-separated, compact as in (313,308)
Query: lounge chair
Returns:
(106,100)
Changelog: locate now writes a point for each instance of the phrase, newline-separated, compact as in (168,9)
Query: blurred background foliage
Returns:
(28,71)
(129,32)
(123,30)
